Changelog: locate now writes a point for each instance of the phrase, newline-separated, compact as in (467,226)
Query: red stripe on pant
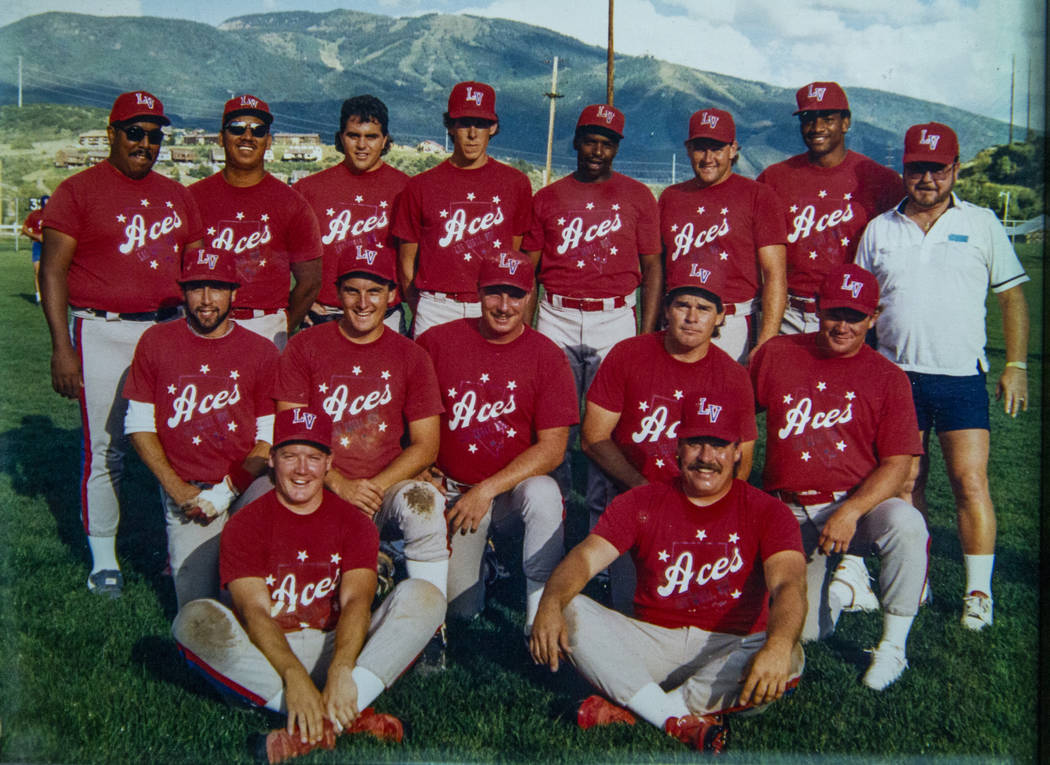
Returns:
(85,447)
(218,678)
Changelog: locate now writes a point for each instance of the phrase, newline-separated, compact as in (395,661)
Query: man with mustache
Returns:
(114,236)
(710,550)
(200,416)
(840,436)
(268,227)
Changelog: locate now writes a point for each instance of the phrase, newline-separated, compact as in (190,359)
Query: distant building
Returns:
(297,139)
(430,147)
(300,153)
(183,155)
(93,138)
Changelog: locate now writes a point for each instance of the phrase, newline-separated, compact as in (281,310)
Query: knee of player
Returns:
(540,497)
(202,626)
(425,599)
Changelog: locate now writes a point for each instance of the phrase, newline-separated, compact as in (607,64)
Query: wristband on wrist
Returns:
(1017,364)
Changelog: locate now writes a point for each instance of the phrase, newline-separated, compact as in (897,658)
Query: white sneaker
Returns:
(977,611)
(887,664)
(852,574)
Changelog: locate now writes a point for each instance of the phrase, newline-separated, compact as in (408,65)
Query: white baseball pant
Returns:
(739,331)
(436,308)
(272,326)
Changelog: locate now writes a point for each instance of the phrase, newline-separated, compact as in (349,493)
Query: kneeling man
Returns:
(710,551)
(300,565)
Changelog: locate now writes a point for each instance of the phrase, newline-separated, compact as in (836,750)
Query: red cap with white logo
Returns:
(849,286)
(204,265)
(712,415)
(510,270)
(135,106)
(931,142)
(304,426)
(715,124)
(821,97)
(246,105)
(378,263)
(472,99)
(697,276)
(603,116)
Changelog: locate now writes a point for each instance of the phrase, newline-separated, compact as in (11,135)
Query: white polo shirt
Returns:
(933,286)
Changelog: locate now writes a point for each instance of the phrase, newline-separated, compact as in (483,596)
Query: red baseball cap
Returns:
(246,105)
(714,415)
(378,263)
(603,116)
(303,425)
(821,97)
(715,124)
(698,276)
(204,265)
(849,286)
(137,105)
(931,142)
(511,270)
(472,99)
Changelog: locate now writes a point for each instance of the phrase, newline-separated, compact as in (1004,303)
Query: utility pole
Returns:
(609,66)
(553,95)
(1028,104)
(1011,135)
(19,82)
(674,159)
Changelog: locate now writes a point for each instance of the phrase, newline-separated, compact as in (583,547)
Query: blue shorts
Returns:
(944,402)
(37,249)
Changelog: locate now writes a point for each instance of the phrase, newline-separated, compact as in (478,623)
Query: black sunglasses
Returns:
(238,128)
(136,134)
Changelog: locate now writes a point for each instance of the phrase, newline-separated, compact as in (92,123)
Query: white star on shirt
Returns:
(579,264)
(497,244)
(356,370)
(794,208)
(847,196)
(466,256)
(841,446)
(561,221)
(385,374)
(121,218)
(700,210)
(643,406)
(725,211)
(359,198)
(822,385)
(153,264)
(444,213)
(495,200)
(344,442)
(663,556)
(382,427)
(240,216)
(788,398)
(590,205)
(329,212)
(196,440)
(723,255)
(383,204)
(168,204)
(812,254)
(323,387)
(264,217)
(205,369)
(234,374)
(484,376)
(612,250)
(616,207)
(659,463)
(701,534)
(171,389)
(451,392)
(231,426)
(845,241)
(470,196)
(144,202)
(336,557)
(735,594)
(850,395)
(805,457)
(678,395)
(822,194)
(674,227)
(302,555)
(472,448)
(512,385)
(262,263)
(270,580)
(511,432)
(734,538)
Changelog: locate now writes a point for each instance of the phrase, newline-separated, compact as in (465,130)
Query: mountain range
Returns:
(304,64)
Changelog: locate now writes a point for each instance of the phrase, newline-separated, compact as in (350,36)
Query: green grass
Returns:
(87,680)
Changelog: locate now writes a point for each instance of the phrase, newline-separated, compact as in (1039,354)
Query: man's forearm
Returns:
(607,456)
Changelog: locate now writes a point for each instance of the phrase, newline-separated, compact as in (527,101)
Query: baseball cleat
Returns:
(596,710)
(705,733)
(281,746)
(108,581)
(383,726)
(977,611)
(852,574)
(887,665)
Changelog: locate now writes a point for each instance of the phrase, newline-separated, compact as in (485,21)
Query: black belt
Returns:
(162,315)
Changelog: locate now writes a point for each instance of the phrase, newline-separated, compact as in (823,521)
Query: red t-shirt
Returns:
(700,566)
(591,235)
(300,557)
(827,209)
(267,227)
(370,391)
(496,396)
(722,225)
(355,213)
(829,420)
(459,217)
(206,394)
(130,237)
(641,381)
(35,221)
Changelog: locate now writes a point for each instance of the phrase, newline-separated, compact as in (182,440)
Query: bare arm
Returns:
(550,637)
(55,259)
(28,232)
(534,298)
(772,261)
(1012,387)
(306,710)
(540,458)
(770,670)
(883,482)
(596,439)
(424,437)
(407,261)
(356,591)
(652,289)
(307,275)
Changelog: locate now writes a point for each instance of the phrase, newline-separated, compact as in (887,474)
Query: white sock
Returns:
(533,593)
(274,704)
(368,686)
(103,553)
(655,706)
(895,629)
(979,573)
(435,572)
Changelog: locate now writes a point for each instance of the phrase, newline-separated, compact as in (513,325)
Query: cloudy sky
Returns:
(953,51)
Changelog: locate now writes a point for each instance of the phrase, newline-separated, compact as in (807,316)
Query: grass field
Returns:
(87,680)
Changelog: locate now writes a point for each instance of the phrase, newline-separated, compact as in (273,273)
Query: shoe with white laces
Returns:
(887,664)
(852,577)
(108,582)
(977,611)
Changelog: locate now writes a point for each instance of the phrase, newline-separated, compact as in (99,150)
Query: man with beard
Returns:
(114,236)
(201,418)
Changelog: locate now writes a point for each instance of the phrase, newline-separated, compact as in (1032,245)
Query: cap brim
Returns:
(264,116)
(160,119)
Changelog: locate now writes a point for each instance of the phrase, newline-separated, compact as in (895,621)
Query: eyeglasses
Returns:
(938,171)
(136,133)
(238,128)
